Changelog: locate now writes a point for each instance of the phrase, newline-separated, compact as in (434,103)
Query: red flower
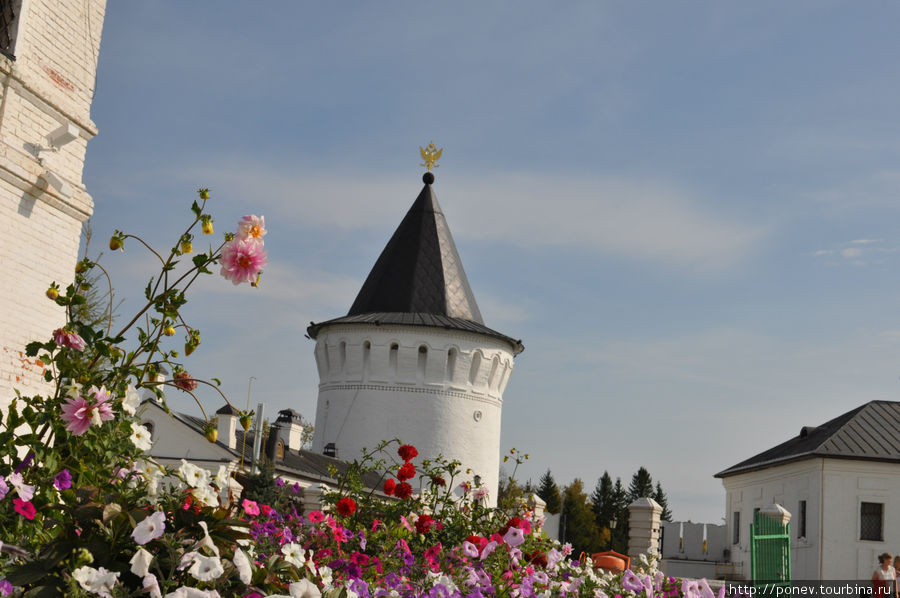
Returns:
(438,481)
(389,486)
(522,524)
(346,506)
(424,523)
(403,490)
(407,452)
(24,508)
(406,471)
(537,558)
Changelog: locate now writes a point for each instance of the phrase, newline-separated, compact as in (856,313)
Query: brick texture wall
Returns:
(49,84)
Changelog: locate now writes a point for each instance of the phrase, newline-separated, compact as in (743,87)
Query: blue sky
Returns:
(687,211)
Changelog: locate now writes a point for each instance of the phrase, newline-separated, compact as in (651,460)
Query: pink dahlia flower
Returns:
(64,338)
(243,260)
(79,413)
(252,227)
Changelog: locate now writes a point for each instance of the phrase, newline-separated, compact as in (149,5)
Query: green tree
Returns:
(549,493)
(619,540)
(641,485)
(660,497)
(603,504)
(260,487)
(580,526)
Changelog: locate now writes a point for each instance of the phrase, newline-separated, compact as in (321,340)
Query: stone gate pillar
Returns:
(643,526)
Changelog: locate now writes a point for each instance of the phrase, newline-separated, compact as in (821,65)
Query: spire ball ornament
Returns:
(430,155)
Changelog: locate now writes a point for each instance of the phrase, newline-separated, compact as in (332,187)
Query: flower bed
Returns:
(84,512)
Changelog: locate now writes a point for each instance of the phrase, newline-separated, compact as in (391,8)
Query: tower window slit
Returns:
(392,358)
(476,365)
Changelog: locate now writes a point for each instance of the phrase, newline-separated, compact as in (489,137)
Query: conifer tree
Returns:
(641,485)
(620,533)
(580,527)
(549,493)
(660,497)
(260,487)
(603,504)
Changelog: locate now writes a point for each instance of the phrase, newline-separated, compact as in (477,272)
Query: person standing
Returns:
(885,576)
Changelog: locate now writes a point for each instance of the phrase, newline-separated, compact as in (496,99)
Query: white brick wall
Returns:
(50,83)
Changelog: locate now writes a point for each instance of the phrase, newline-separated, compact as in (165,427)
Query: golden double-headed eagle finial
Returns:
(431,155)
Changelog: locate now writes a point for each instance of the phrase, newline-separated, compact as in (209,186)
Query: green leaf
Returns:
(195,208)
(44,592)
(217,381)
(28,573)
(31,349)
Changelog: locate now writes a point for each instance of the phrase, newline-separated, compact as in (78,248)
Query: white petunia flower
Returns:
(151,585)
(242,564)
(140,437)
(206,568)
(206,541)
(96,581)
(25,491)
(304,589)
(192,475)
(131,401)
(150,528)
(206,495)
(222,477)
(325,576)
(294,554)
(140,562)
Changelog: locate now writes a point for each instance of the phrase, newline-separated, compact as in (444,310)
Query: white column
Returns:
(643,526)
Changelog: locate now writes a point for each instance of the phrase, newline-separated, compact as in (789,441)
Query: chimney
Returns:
(290,426)
(227,425)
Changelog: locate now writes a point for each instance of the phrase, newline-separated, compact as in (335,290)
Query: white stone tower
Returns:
(48,63)
(413,359)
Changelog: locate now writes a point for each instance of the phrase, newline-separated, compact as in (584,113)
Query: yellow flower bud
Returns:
(204,193)
(115,243)
(206,225)
(211,433)
(245,420)
(187,247)
(52,293)
(169,330)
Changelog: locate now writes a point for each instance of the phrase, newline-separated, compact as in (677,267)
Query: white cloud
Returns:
(650,221)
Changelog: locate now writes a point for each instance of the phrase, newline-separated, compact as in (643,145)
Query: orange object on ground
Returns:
(611,560)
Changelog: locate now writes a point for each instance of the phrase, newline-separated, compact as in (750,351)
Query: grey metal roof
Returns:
(418,279)
(419,269)
(871,432)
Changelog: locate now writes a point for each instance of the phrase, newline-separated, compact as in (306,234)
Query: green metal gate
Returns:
(770,550)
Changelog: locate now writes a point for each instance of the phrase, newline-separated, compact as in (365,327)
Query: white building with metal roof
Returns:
(841,483)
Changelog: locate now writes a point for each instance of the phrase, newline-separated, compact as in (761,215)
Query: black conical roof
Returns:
(419,279)
(419,270)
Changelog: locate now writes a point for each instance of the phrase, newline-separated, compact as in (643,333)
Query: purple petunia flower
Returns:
(6,588)
(63,480)
(360,587)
